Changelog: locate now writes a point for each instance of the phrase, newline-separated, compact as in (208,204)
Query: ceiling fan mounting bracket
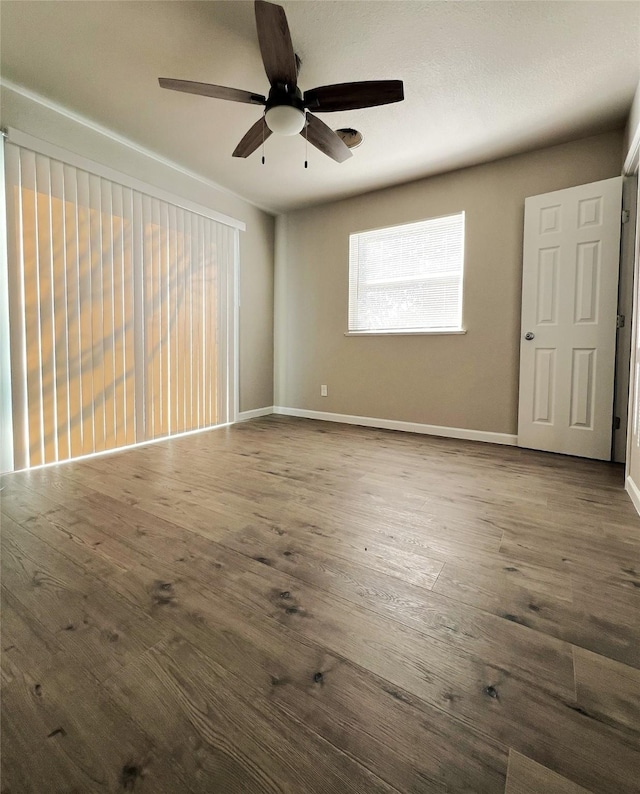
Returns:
(283,94)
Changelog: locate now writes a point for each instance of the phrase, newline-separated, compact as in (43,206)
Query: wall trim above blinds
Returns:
(122,309)
(54,152)
(407,278)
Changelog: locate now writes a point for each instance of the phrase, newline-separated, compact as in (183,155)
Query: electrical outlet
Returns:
(323,390)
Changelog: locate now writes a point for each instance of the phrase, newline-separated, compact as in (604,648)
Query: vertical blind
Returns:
(118,312)
(407,278)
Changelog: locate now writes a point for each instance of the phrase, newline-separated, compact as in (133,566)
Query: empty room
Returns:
(320,396)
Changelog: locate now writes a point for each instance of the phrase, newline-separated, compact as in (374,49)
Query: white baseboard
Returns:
(255,413)
(634,492)
(407,427)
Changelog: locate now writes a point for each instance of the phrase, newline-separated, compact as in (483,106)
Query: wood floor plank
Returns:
(625,576)
(358,712)
(528,777)
(52,727)
(469,630)
(582,614)
(238,744)
(218,521)
(487,695)
(288,605)
(27,646)
(350,561)
(546,660)
(578,545)
(349,527)
(50,483)
(19,503)
(88,620)
(605,620)
(72,532)
(494,584)
(79,541)
(608,689)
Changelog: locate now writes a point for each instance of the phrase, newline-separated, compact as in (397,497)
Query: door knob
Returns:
(529,336)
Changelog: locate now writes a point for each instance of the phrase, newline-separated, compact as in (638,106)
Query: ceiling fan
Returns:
(286,107)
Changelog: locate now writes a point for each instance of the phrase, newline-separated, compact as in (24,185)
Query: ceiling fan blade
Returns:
(325,139)
(215,91)
(275,44)
(350,96)
(256,135)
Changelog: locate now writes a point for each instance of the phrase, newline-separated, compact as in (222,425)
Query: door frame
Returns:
(624,335)
(631,168)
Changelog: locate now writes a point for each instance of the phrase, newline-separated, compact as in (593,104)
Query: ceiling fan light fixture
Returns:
(285,120)
(350,137)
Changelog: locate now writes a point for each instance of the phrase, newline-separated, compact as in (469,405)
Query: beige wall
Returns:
(256,243)
(468,381)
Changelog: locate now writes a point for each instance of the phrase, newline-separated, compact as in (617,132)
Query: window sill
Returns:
(434,332)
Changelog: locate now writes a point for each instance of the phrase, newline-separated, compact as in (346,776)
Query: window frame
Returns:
(419,331)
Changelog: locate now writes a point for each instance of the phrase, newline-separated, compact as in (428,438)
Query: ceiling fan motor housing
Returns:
(283,94)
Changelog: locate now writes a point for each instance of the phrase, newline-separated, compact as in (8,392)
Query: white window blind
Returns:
(407,278)
(118,309)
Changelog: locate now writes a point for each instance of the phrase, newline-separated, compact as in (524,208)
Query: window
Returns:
(407,278)
(119,313)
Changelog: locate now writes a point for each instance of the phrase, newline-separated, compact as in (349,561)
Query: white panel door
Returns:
(569,309)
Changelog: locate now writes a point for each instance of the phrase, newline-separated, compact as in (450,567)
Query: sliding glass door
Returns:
(120,311)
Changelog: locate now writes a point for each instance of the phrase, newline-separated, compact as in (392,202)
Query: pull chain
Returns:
(263,123)
(306,142)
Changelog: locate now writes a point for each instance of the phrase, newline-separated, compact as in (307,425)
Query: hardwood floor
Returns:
(295,606)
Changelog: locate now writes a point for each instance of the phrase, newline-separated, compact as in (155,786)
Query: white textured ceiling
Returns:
(482,80)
